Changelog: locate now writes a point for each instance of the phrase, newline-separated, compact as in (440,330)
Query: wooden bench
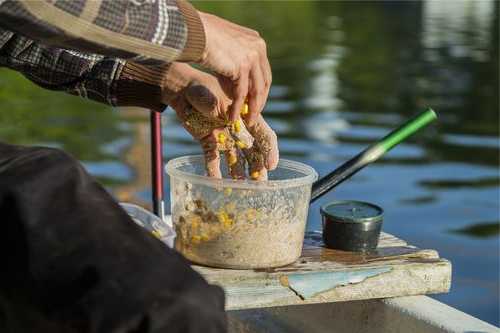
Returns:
(324,275)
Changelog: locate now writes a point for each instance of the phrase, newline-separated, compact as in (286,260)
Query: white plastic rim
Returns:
(309,175)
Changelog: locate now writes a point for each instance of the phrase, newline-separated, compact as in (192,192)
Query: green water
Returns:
(344,74)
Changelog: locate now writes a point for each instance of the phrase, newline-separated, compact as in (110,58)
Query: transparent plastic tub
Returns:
(161,229)
(239,223)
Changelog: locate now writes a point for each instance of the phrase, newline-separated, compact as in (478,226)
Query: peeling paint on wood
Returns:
(311,284)
(323,275)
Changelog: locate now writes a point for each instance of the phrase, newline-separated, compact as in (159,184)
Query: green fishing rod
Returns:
(371,154)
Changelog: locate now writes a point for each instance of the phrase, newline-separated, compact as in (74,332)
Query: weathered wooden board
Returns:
(324,275)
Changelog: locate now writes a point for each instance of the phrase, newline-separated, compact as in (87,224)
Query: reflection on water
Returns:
(481,230)
(344,73)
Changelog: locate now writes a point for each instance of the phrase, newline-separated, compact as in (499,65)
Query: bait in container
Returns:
(240,224)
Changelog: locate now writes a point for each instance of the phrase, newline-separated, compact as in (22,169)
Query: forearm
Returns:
(151,32)
(102,79)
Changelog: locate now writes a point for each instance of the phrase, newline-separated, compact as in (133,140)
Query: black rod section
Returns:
(371,154)
(343,172)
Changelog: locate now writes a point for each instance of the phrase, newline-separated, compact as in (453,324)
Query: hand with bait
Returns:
(202,103)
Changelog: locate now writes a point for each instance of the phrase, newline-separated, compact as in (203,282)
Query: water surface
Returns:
(344,74)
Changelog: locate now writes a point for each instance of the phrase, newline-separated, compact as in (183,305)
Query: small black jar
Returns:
(351,225)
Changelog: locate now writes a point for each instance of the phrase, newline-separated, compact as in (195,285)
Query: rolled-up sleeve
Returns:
(107,80)
(143,31)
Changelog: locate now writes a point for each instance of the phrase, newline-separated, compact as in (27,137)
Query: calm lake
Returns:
(344,74)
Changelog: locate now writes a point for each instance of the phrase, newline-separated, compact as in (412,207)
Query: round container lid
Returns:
(351,211)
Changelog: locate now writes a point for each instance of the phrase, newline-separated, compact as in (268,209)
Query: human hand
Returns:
(239,54)
(201,103)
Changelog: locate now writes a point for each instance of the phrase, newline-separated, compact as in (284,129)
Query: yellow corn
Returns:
(228,224)
(237,126)
(156,233)
(195,239)
(255,175)
(221,138)
(232,159)
(241,144)
(244,109)
(224,219)
(204,237)
(227,191)
(222,215)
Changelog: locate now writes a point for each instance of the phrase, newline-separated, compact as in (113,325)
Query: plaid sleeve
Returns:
(146,31)
(103,79)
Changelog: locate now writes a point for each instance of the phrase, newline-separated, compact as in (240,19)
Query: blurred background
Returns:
(344,73)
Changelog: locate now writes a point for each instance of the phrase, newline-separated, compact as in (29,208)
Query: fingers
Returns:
(212,156)
(233,156)
(196,123)
(257,94)
(202,99)
(241,134)
(220,141)
(266,142)
(266,69)
(266,72)
(240,92)
(256,167)
(260,82)
(262,156)
(235,163)
(262,174)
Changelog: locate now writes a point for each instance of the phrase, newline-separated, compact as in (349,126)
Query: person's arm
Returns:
(151,31)
(103,79)
(147,31)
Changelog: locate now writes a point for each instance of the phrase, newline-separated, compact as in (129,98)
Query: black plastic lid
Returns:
(351,211)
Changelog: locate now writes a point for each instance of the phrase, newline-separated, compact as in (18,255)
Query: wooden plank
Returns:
(325,275)
(308,285)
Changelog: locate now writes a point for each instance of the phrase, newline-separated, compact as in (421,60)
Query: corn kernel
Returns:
(222,216)
(195,239)
(237,126)
(156,234)
(221,138)
(227,191)
(232,159)
(241,144)
(224,219)
(244,109)
(255,175)
(204,237)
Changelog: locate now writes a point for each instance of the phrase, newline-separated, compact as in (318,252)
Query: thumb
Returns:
(202,99)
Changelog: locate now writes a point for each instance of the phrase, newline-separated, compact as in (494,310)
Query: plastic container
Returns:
(351,225)
(239,223)
(152,223)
